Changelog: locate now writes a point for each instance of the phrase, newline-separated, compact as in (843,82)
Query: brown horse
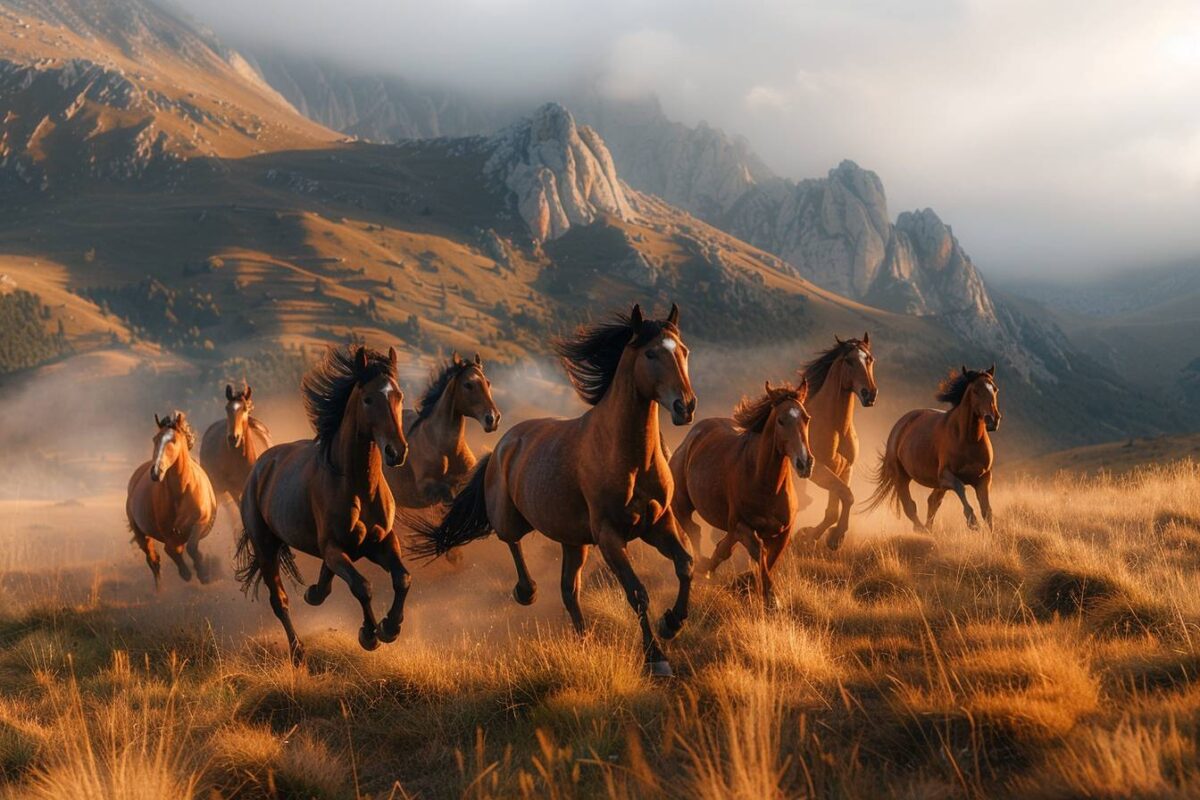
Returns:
(327,496)
(836,378)
(171,499)
(944,450)
(439,460)
(601,479)
(738,474)
(229,449)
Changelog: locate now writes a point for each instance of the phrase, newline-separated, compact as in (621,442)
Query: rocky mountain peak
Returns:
(558,173)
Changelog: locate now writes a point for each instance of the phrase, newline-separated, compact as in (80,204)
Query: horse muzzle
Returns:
(395,456)
(491,421)
(234,441)
(682,413)
(155,473)
(804,467)
(991,422)
(868,397)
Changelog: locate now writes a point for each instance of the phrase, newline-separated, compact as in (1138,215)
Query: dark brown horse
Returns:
(439,460)
(944,450)
(327,496)
(837,378)
(738,474)
(229,448)
(601,479)
(171,500)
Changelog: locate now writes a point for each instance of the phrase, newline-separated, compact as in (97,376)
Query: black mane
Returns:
(439,379)
(817,370)
(953,387)
(328,386)
(592,354)
(752,414)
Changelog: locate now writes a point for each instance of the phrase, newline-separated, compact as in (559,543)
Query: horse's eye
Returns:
(470,387)
(367,400)
(651,354)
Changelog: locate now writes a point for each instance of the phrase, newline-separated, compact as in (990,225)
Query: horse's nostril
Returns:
(691,406)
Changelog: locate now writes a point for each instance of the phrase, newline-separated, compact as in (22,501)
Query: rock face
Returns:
(558,173)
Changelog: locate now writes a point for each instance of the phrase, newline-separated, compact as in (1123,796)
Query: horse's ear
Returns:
(635,318)
(992,370)
(478,360)
(673,317)
(802,392)
(768,386)
(455,358)
(246,393)
(866,340)
(360,359)
(838,339)
(228,391)
(158,421)
(393,358)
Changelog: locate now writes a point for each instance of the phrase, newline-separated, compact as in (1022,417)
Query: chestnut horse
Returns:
(944,450)
(836,378)
(327,496)
(229,449)
(171,499)
(439,460)
(738,474)
(600,479)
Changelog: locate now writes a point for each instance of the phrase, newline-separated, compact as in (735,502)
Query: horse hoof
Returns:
(298,655)
(659,669)
(314,596)
(771,603)
(669,626)
(367,638)
(833,543)
(522,598)
(972,523)
(386,633)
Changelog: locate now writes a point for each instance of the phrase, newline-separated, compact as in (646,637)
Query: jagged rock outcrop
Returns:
(558,173)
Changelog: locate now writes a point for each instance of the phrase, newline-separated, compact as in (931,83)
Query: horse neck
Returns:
(769,466)
(965,424)
(631,420)
(179,476)
(248,449)
(832,402)
(357,458)
(445,429)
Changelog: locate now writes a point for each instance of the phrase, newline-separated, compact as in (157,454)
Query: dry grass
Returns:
(1051,657)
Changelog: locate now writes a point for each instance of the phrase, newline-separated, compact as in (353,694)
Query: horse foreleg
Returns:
(758,554)
(198,561)
(525,592)
(316,594)
(666,538)
(387,556)
(721,554)
(176,554)
(616,555)
(983,493)
(950,481)
(152,561)
(904,493)
(339,563)
(931,508)
(573,558)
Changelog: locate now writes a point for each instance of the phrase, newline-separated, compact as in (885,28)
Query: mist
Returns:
(1060,138)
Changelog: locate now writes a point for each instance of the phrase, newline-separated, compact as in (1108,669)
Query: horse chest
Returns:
(646,499)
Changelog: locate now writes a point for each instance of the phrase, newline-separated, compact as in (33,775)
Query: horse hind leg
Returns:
(932,506)
(525,591)
(573,559)
(265,551)
(316,594)
(387,556)
(904,493)
(668,540)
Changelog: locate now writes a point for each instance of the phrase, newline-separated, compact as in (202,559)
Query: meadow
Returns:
(1052,657)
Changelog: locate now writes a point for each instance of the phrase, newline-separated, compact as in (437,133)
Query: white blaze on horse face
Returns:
(669,344)
(794,413)
(167,437)
(235,407)
(862,356)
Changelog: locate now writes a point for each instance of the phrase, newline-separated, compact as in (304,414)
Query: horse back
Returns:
(535,464)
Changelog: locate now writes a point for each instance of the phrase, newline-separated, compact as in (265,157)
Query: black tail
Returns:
(886,481)
(465,521)
(248,567)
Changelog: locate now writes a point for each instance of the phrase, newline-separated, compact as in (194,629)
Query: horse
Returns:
(439,459)
(229,449)
(836,378)
(737,473)
(327,496)
(944,450)
(599,479)
(170,499)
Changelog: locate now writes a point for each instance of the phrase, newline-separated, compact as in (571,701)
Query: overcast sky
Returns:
(1055,136)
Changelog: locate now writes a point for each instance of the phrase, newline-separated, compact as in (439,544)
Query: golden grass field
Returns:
(1055,656)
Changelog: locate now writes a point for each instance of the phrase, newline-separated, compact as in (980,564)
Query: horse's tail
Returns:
(887,483)
(248,560)
(465,521)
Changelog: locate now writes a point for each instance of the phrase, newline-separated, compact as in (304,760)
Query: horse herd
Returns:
(601,479)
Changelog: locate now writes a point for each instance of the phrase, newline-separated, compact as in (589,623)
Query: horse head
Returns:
(237,414)
(788,424)
(983,397)
(473,394)
(171,443)
(858,372)
(661,366)
(380,406)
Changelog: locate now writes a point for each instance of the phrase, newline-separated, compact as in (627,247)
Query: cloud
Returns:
(1050,135)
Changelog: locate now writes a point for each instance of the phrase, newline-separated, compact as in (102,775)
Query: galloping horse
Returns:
(946,451)
(600,479)
(327,496)
(228,450)
(738,474)
(439,460)
(171,499)
(836,378)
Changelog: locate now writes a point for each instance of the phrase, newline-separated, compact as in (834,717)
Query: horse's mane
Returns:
(439,379)
(260,426)
(327,388)
(817,370)
(177,421)
(751,414)
(952,387)
(592,354)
